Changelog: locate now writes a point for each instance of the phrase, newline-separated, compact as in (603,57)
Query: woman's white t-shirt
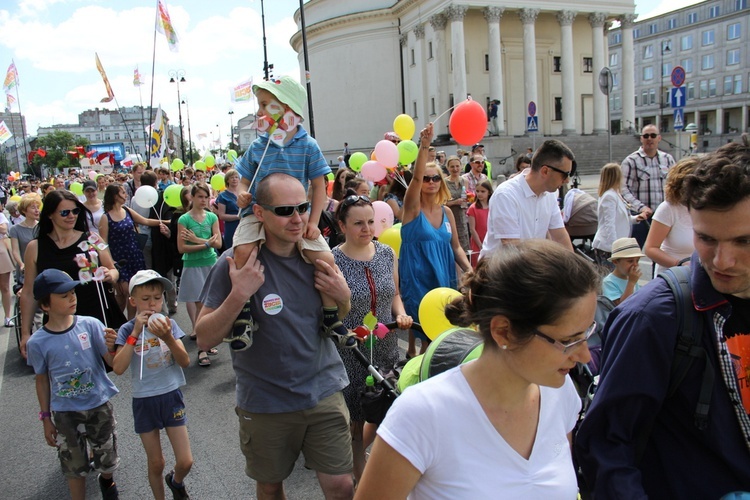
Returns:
(679,241)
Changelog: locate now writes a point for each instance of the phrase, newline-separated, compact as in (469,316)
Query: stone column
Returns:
(566,18)
(456,15)
(528,18)
(438,22)
(493,16)
(628,71)
(419,91)
(403,40)
(596,19)
(744,124)
(719,129)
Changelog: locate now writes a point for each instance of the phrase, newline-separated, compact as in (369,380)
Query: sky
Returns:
(53,42)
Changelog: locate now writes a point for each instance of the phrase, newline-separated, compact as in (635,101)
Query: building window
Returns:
(666,69)
(107,137)
(692,18)
(687,65)
(117,135)
(690,90)
(734,31)
(664,103)
(618,104)
(713,11)
(727,85)
(740,4)
(636,100)
(413,59)
(556,64)
(648,73)
(672,23)
(653,28)
(558,108)
(733,57)
(429,50)
(652,96)
(615,80)
(707,62)
(644,98)
(636,33)
(708,37)
(486,62)
(98,137)
(588,64)
(617,38)
(712,87)
(648,51)
(614,59)
(686,42)
(737,84)
(414,109)
(703,89)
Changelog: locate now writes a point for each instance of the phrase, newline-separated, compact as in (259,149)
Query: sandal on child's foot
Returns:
(241,336)
(213,351)
(203,359)
(348,341)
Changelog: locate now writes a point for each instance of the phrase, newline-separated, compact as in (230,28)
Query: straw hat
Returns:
(625,248)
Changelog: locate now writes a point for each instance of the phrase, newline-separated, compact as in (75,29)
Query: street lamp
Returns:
(190,135)
(666,48)
(231,129)
(178,76)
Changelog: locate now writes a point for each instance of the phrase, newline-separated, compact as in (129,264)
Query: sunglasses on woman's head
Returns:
(65,213)
(354,199)
(288,210)
(431,178)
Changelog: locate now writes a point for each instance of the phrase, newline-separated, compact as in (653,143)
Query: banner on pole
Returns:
(110,94)
(5,133)
(243,92)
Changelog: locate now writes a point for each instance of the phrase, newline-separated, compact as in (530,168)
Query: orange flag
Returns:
(110,94)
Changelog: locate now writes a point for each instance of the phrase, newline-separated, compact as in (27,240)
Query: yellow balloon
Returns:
(15,198)
(403,125)
(392,238)
(432,311)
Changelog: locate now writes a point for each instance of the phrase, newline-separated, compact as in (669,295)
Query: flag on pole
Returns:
(243,91)
(164,26)
(137,78)
(5,134)
(11,77)
(110,94)
(9,100)
(158,140)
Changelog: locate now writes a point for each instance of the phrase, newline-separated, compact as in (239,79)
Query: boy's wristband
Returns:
(44,414)
(131,340)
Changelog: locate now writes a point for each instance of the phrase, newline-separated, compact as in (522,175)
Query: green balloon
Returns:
(330,176)
(357,160)
(209,160)
(76,188)
(407,152)
(172,195)
(217,182)
(177,165)
(200,165)
(231,155)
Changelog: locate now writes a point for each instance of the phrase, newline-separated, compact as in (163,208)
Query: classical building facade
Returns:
(373,59)
(710,41)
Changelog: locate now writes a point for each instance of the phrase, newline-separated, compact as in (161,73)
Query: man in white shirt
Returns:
(526,206)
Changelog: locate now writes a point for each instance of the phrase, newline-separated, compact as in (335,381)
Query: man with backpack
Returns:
(670,418)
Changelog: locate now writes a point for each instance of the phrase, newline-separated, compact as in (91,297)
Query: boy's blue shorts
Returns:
(158,412)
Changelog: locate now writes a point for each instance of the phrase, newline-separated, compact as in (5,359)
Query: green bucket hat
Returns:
(287,90)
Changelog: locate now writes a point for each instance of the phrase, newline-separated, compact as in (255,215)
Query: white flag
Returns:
(158,140)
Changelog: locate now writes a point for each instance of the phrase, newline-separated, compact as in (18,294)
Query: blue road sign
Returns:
(677,97)
(532,108)
(679,119)
(532,124)
(678,76)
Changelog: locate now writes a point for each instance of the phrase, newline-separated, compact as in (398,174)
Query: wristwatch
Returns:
(44,414)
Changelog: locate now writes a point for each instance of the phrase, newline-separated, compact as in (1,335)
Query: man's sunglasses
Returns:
(65,213)
(354,199)
(431,178)
(477,161)
(650,136)
(288,210)
(563,172)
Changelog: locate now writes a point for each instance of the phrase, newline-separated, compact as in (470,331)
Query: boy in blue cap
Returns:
(68,355)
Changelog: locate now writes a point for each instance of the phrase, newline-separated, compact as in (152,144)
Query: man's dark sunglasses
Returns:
(288,210)
(354,199)
(65,213)
(650,136)
(431,178)
(563,172)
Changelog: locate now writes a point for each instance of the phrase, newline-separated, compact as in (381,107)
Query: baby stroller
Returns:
(580,214)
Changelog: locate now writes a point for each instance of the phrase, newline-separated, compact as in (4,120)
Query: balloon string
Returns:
(263,156)
(143,338)
(443,113)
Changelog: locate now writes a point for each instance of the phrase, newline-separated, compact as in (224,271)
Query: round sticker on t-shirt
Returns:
(272,304)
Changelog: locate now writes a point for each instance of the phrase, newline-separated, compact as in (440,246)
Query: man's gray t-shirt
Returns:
(289,366)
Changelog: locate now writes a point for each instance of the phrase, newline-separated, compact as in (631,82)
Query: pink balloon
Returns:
(380,331)
(373,171)
(93,174)
(387,153)
(383,217)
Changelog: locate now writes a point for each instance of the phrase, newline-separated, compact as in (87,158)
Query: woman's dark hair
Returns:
(522,162)
(354,184)
(532,283)
(184,200)
(486,184)
(338,190)
(397,189)
(342,210)
(110,193)
(51,202)
(721,179)
(200,186)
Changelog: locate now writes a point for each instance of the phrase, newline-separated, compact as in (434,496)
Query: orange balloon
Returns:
(373,157)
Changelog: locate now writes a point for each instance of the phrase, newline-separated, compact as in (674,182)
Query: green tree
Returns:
(57,144)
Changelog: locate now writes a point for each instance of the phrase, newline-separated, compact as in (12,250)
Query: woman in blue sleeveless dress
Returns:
(430,249)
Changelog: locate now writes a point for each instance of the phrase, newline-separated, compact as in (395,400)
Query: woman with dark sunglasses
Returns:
(64,243)
(430,249)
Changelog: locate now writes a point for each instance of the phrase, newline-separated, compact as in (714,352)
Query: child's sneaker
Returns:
(348,341)
(178,493)
(241,336)
(109,489)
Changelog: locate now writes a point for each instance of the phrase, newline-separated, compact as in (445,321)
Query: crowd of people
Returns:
(259,268)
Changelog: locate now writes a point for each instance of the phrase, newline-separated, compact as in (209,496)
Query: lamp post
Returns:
(665,49)
(190,135)
(178,76)
(231,129)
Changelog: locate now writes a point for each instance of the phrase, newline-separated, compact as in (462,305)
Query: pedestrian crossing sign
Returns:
(532,124)
(679,118)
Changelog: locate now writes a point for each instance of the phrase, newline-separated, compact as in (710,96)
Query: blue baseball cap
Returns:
(52,281)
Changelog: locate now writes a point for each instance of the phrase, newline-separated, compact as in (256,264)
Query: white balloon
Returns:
(155,317)
(146,196)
